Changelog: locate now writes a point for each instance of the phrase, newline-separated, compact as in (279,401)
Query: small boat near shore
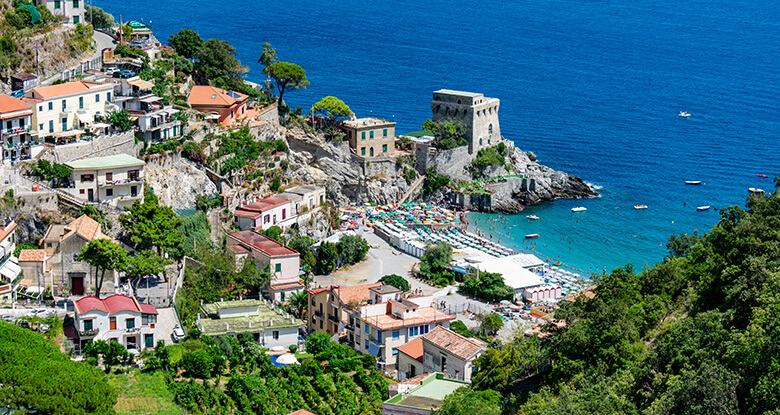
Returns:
(532,217)
(532,235)
(684,114)
(755,191)
(637,207)
(702,208)
(579,209)
(693,182)
(762,175)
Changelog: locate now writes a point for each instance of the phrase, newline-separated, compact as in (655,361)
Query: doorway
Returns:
(91,195)
(77,285)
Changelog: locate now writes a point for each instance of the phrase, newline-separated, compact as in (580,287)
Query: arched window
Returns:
(458,101)
(490,130)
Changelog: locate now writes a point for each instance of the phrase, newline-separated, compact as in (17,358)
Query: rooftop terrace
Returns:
(266,317)
(429,394)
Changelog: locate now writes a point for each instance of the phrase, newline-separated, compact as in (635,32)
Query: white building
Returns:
(115,318)
(16,133)
(441,350)
(156,121)
(117,180)
(283,262)
(269,326)
(64,110)
(71,10)
(9,264)
(264,213)
(514,270)
(304,198)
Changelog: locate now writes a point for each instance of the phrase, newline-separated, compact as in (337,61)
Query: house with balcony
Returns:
(226,108)
(16,134)
(370,137)
(264,213)
(62,112)
(155,120)
(62,244)
(116,180)
(270,326)
(441,350)
(332,309)
(9,264)
(304,198)
(115,318)
(72,11)
(282,262)
(421,395)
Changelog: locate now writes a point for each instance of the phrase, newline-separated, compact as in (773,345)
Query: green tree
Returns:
(145,264)
(332,110)
(396,281)
(23,245)
(287,75)
(299,302)
(216,58)
(434,181)
(120,119)
(198,364)
(319,342)
(274,232)
(186,43)
(466,402)
(195,231)
(449,133)
(327,257)
(434,259)
(104,255)
(31,365)
(491,323)
(266,59)
(352,249)
(151,225)
(98,17)
(487,286)
(46,15)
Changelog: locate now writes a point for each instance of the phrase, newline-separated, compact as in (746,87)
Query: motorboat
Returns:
(579,209)
(640,207)
(702,208)
(693,182)
(532,235)
(683,114)
(532,217)
(762,175)
(754,190)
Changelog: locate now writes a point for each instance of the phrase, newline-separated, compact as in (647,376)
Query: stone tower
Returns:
(478,113)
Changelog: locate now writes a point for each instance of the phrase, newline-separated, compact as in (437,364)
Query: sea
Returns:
(592,87)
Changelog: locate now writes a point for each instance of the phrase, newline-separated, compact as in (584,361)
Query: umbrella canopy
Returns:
(287,359)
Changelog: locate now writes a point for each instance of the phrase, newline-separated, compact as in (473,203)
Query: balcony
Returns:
(333,318)
(88,333)
(318,313)
(17,130)
(136,196)
(115,183)
(132,330)
(349,326)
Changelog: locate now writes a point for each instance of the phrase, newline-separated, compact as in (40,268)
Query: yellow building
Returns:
(370,137)
(62,110)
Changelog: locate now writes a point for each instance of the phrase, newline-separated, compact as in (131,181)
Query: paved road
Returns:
(166,319)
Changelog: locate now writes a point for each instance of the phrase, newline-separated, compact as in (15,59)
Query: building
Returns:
(370,137)
(16,133)
(264,213)
(515,271)
(304,198)
(269,325)
(155,120)
(9,264)
(477,112)
(117,180)
(389,321)
(283,263)
(34,270)
(23,81)
(115,318)
(63,110)
(425,397)
(71,10)
(333,309)
(441,350)
(227,108)
(62,244)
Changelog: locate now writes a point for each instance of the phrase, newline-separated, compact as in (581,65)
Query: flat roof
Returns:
(385,289)
(429,394)
(262,243)
(458,93)
(367,122)
(512,270)
(107,162)
(267,317)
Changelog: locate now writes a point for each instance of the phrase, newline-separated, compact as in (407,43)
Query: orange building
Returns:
(228,108)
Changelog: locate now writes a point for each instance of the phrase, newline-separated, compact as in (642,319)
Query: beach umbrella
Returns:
(287,359)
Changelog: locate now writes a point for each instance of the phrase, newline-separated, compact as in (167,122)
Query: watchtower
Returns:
(477,112)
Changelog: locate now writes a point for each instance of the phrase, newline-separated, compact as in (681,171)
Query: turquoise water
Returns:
(592,87)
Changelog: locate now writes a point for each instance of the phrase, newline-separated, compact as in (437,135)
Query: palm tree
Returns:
(299,301)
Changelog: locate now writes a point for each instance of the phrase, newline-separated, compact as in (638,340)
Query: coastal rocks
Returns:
(176,181)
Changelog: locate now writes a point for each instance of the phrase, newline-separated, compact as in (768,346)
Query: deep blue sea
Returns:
(592,87)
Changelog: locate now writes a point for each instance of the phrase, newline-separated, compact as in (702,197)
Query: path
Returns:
(214,221)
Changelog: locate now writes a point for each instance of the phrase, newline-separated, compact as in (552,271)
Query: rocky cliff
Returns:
(176,180)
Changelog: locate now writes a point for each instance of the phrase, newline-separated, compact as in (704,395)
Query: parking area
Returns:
(166,320)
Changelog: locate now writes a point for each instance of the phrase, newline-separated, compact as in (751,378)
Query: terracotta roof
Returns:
(205,95)
(588,293)
(455,343)
(262,243)
(68,88)
(301,412)
(7,230)
(23,76)
(10,104)
(413,349)
(85,227)
(239,249)
(425,315)
(32,255)
(247,214)
(318,290)
(355,293)
(263,205)
(112,304)
(415,380)
(287,285)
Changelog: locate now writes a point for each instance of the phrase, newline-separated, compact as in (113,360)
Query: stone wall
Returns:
(107,145)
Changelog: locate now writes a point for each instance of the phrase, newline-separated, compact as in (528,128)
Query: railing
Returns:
(349,326)
(17,130)
(318,313)
(112,183)
(333,318)
(88,333)
(133,330)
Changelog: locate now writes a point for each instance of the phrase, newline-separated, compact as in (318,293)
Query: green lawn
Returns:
(142,393)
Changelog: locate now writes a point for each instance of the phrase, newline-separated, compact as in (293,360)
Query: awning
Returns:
(150,99)
(69,133)
(100,125)
(171,111)
(140,83)
(85,117)
(10,269)
(373,349)
(212,117)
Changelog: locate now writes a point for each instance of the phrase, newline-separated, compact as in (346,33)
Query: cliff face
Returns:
(176,181)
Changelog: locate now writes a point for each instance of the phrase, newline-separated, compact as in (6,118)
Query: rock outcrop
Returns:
(176,181)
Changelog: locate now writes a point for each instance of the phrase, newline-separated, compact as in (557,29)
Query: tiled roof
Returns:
(239,249)
(148,309)
(415,380)
(355,293)
(425,315)
(454,343)
(263,205)
(413,349)
(205,95)
(7,230)
(68,88)
(32,255)
(10,104)
(85,227)
(287,285)
(111,304)
(262,243)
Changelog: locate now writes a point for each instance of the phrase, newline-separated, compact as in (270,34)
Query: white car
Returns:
(39,312)
(110,70)
(177,334)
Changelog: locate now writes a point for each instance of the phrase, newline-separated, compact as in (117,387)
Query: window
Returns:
(87,178)
(64,104)
(112,323)
(87,325)
(76,19)
(109,177)
(379,336)
(51,126)
(384,148)
(414,331)
(97,97)
(75,4)
(384,132)
(278,267)
(144,319)
(9,125)
(284,214)
(362,135)
(366,344)
(81,191)
(276,334)
(396,335)
(371,134)
(109,192)
(424,329)
(40,127)
(371,151)
(368,328)
(362,151)
(132,175)
(81,103)
(395,351)
(40,108)
(108,96)
(51,106)
(267,218)
(130,323)
(320,324)
(56,4)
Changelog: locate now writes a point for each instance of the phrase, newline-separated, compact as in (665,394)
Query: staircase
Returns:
(413,189)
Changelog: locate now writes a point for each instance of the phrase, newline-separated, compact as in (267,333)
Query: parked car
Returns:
(126,73)
(39,312)
(110,70)
(177,334)
(137,43)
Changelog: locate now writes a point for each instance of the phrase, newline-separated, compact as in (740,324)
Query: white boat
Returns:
(579,209)
(683,114)
(532,217)
(754,190)
(637,206)
(693,182)
(702,208)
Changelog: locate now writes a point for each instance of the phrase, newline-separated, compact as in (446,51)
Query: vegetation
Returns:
(38,378)
(287,75)
(490,156)
(186,43)
(396,281)
(152,226)
(104,255)
(432,264)
(50,171)
(447,134)
(143,393)
(332,110)
(205,203)
(196,232)
(350,249)
(143,265)
(97,214)
(487,286)
(274,232)
(469,402)
(304,246)
(120,119)
(98,17)
(491,323)
(244,148)
(434,181)
(23,245)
